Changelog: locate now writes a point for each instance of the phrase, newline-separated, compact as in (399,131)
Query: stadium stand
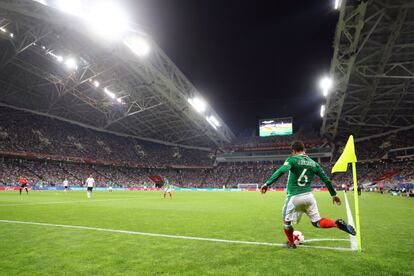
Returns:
(47,151)
(34,135)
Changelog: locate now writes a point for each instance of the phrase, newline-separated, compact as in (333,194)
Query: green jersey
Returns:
(302,170)
(167,184)
(110,183)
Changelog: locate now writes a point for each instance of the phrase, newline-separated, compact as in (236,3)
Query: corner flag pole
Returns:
(358,226)
(348,156)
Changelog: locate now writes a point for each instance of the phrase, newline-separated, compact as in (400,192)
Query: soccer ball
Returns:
(298,237)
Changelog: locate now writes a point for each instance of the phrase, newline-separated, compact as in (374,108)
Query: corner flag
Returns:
(349,156)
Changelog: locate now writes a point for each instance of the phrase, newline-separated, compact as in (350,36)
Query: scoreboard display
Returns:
(275,127)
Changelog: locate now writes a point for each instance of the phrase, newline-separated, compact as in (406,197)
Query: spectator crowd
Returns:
(132,161)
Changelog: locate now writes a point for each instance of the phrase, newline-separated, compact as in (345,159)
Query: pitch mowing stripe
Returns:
(169,236)
(352,239)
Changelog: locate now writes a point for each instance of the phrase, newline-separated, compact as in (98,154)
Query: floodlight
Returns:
(210,120)
(138,45)
(214,120)
(108,20)
(43,47)
(211,123)
(96,83)
(198,104)
(73,7)
(322,110)
(109,93)
(59,58)
(71,63)
(3,29)
(325,84)
(11,35)
(337,4)
(43,2)
(119,100)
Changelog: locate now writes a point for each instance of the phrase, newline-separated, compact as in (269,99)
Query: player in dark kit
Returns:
(23,185)
(300,199)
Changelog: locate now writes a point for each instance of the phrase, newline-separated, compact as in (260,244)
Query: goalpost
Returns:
(248,186)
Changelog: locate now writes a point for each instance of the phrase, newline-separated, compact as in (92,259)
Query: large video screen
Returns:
(275,127)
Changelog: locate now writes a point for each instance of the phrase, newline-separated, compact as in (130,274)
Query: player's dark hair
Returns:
(298,146)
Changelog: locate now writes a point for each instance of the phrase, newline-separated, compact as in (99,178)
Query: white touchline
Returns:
(63,202)
(166,236)
(352,239)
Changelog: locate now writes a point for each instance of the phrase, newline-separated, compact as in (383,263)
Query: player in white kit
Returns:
(66,185)
(90,183)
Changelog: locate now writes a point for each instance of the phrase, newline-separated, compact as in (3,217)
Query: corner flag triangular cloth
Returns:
(347,156)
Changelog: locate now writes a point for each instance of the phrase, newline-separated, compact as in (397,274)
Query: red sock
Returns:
(289,234)
(326,223)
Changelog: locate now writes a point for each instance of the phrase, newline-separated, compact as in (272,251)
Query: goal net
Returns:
(248,186)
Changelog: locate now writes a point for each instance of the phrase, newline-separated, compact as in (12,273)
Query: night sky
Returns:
(250,60)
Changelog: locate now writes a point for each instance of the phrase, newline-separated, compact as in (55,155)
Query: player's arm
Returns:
(275,176)
(328,183)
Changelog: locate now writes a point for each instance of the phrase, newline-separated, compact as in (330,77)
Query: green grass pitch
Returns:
(387,235)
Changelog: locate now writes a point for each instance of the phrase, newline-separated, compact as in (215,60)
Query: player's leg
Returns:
(27,190)
(165,194)
(287,212)
(317,221)
(20,190)
(288,229)
(170,195)
(312,212)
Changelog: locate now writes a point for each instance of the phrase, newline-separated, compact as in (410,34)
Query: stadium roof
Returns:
(372,69)
(50,63)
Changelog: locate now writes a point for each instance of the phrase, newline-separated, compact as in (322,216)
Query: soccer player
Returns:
(90,183)
(66,185)
(167,188)
(300,199)
(110,186)
(23,185)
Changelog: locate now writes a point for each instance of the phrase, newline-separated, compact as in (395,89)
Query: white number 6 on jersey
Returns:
(303,178)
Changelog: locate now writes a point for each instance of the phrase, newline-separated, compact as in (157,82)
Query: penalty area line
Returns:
(168,236)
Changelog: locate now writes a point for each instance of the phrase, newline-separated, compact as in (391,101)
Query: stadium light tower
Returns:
(198,104)
(138,45)
(325,84)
